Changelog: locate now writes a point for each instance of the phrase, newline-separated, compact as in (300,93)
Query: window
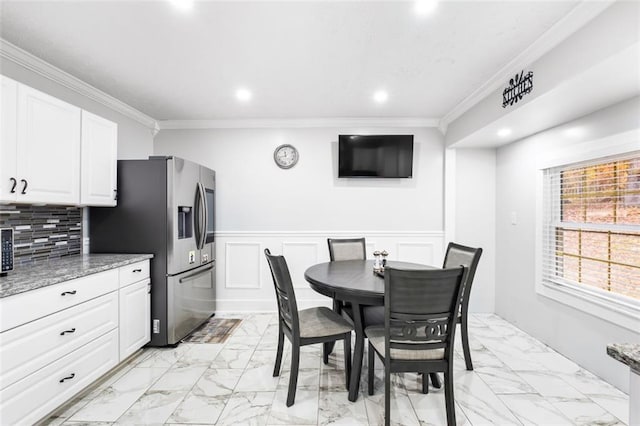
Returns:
(591,227)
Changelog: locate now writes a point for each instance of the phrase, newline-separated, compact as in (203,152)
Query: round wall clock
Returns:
(285,156)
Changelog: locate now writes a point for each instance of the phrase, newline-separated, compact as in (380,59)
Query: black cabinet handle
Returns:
(13,186)
(24,189)
(115,194)
(68,378)
(149,288)
(73,330)
(68,292)
(137,270)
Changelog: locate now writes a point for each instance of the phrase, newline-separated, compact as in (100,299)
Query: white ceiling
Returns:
(311,59)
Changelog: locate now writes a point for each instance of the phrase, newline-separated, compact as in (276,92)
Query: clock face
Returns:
(285,156)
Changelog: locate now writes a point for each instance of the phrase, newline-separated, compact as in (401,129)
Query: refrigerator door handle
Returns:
(199,217)
(196,216)
(195,274)
(203,221)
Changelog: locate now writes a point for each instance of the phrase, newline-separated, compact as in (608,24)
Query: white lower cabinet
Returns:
(135,317)
(57,340)
(33,397)
(38,343)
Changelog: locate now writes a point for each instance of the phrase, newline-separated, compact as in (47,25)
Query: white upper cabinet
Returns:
(98,167)
(48,151)
(8,141)
(52,152)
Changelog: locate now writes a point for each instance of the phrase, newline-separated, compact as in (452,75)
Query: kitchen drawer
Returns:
(33,397)
(25,307)
(132,273)
(31,346)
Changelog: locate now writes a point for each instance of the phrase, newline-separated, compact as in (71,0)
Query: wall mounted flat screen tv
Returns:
(375,156)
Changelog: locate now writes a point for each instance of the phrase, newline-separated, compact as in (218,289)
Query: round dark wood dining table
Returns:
(353,281)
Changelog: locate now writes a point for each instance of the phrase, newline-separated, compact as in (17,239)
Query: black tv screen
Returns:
(375,156)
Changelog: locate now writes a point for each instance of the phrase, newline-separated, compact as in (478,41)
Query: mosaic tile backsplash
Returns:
(43,232)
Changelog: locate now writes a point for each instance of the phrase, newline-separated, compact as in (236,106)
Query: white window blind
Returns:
(591,226)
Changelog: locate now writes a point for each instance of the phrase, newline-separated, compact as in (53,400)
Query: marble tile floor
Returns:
(517,380)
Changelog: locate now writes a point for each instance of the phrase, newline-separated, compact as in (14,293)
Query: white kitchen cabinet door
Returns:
(135,317)
(27,401)
(8,141)
(48,150)
(99,149)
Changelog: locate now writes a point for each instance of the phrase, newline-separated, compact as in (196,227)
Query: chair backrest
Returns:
(347,248)
(457,255)
(286,298)
(421,307)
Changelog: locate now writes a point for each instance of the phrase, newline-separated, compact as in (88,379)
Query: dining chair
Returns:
(347,249)
(457,255)
(420,313)
(343,249)
(305,327)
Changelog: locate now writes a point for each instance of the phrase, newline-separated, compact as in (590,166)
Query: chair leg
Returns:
(435,380)
(465,343)
(425,383)
(449,400)
(293,378)
(387,395)
(347,358)
(327,347)
(371,366)
(276,369)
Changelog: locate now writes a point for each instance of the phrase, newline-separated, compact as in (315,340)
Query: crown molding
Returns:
(297,123)
(53,73)
(580,15)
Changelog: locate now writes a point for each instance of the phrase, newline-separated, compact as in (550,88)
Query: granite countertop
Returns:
(628,353)
(46,273)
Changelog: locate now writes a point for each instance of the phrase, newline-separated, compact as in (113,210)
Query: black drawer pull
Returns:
(68,377)
(73,330)
(137,270)
(68,292)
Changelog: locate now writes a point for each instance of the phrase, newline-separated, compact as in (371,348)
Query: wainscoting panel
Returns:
(244,281)
(299,257)
(242,265)
(416,252)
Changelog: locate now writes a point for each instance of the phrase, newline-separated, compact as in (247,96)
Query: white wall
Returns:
(475,224)
(253,194)
(576,334)
(294,211)
(134,139)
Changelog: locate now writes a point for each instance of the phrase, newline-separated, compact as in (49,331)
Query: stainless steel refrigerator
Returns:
(166,206)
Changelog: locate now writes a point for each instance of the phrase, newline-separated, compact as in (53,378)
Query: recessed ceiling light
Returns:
(380,96)
(182,5)
(503,133)
(425,7)
(243,95)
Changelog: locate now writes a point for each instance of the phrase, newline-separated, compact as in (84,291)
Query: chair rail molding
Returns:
(327,234)
(243,273)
